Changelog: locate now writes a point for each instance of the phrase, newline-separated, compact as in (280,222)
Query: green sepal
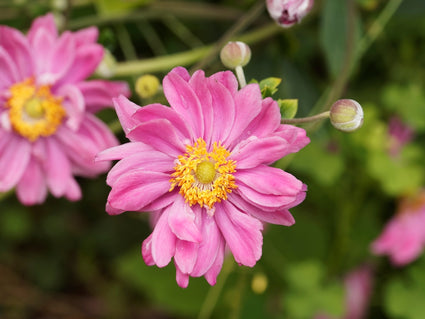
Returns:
(288,107)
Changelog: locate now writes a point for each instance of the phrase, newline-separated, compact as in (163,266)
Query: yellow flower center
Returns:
(34,111)
(204,177)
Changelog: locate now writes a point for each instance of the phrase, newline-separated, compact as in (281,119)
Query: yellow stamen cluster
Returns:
(204,177)
(34,111)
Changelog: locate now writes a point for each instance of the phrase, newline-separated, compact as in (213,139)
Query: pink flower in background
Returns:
(400,134)
(403,238)
(288,12)
(201,166)
(48,132)
(358,290)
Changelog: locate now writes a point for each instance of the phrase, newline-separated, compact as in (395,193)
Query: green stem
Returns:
(377,27)
(215,291)
(238,27)
(241,76)
(308,119)
(165,63)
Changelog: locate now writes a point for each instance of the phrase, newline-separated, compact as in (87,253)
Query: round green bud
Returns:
(235,54)
(346,115)
(147,86)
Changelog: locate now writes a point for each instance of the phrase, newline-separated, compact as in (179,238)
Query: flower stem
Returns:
(165,63)
(308,119)
(215,291)
(241,76)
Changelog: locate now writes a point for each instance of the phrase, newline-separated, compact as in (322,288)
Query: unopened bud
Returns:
(106,68)
(147,86)
(235,54)
(288,12)
(259,283)
(346,115)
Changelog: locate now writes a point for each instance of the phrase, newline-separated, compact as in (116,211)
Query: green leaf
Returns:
(288,107)
(404,295)
(333,34)
(269,86)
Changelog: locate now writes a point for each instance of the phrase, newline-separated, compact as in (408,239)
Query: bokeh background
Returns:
(67,259)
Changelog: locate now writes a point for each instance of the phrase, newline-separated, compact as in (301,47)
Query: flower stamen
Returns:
(34,111)
(204,177)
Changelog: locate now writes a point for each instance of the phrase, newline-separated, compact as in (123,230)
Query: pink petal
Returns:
(247,106)
(295,136)
(122,151)
(45,23)
(138,188)
(125,110)
(32,188)
(241,232)
(73,191)
(163,201)
(161,135)
(147,251)
(185,255)
(87,58)
(227,79)
(60,59)
(42,43)
(73,104)
(223,110)
(57,168)
(16,45)
(184,101)
(209,247)
(182,221)
(157,111)
(14,160)
(212,273)
(149,160)
(86,36)
(265,123)
(98,94)
(9,74)
(278,217)
(163,241)
(256,151)
(198,82)
(182,278)
(269,180)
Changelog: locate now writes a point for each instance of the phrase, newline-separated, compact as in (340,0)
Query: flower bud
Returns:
(235,54)
(147,85)
(346,115)
(106,68)
(288,12)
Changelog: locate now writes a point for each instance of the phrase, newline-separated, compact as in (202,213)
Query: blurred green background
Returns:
(72,260)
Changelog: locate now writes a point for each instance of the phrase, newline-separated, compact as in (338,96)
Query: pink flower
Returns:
(201,166)
(288,12)
(358,290)
(400,134)
(403,238)
(48,132)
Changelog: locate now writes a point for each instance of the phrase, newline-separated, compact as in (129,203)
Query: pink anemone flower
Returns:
(288,12)
(403,238)
(202,167)
(48,132)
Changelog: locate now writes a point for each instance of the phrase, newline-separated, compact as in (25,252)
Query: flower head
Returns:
(48,132)
(400,134)
(201,167)
(288,12)
(403,238)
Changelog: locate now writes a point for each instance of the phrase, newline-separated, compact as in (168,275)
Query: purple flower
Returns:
(403,238)
(201,167)
(288,12)
(48,132)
